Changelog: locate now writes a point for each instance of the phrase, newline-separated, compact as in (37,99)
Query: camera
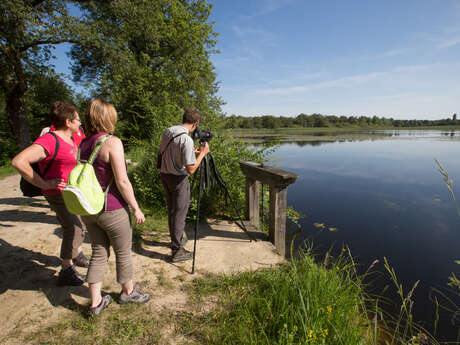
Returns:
(202,135)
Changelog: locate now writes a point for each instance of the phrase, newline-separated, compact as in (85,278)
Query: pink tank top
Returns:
(104,174)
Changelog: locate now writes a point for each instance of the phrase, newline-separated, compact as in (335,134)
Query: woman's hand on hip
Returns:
(55,183)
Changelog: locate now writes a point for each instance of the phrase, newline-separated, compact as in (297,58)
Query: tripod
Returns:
(208,167)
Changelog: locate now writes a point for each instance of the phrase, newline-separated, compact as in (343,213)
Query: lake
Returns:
(382,194)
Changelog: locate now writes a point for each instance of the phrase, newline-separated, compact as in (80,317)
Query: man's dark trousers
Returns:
(177,190)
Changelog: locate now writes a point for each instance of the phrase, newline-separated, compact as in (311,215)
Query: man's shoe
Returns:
(181,255)
(136,296)
(70,277)
(106,300)
(81,260)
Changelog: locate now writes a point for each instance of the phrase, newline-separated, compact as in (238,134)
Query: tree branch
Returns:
(35,3)
(37,43)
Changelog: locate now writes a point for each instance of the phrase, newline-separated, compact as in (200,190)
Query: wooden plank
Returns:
(278,205)
(252,201)
(267,175)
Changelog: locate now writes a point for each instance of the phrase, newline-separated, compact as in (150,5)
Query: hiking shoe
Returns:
(81,260)
(70,277)
(181,255)
(106,300)
(136,296)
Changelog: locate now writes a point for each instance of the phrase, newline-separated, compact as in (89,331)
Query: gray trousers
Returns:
(177,190)
(74,229)
(105,229)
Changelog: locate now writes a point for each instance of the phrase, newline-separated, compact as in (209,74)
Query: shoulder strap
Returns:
(174,137)
(99,144)
(56,149)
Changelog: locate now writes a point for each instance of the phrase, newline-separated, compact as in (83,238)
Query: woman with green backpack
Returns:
(111,226)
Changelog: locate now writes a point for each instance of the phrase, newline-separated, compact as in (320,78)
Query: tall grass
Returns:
(298,303)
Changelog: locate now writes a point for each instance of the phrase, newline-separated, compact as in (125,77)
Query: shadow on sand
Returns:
(27,270)
(204,230)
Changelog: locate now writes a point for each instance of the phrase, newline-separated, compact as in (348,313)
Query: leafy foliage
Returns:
(29,31)
(153,61)
(43,90)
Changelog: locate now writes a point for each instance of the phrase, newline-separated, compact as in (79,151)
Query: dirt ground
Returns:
(30,238)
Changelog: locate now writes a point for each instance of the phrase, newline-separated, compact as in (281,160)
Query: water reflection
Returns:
(386,198)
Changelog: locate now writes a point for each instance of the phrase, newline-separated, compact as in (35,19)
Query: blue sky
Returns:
(389,58)
(397,59)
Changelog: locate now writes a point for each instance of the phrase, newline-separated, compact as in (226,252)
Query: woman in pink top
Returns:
(65,119)
(112,226)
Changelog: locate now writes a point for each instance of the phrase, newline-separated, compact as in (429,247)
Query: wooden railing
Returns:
(278,180)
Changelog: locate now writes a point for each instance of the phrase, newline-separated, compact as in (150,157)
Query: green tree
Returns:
(28,31)
(44,89)
(149,57)
(153,62)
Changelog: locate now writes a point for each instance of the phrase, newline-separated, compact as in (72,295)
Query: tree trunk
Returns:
(17,115)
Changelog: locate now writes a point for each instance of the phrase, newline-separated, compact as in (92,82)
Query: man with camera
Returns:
(179,158)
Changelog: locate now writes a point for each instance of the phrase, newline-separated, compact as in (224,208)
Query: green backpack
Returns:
(83,194)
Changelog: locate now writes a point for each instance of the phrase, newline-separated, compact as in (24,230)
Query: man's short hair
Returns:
(191,116)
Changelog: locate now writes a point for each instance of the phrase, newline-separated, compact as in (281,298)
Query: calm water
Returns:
(385,196)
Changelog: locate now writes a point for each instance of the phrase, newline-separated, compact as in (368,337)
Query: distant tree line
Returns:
(319,120)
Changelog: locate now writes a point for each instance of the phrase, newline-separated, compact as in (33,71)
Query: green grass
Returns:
(129,324)
(155,221)
(7,170)
(300,302)
(297,303)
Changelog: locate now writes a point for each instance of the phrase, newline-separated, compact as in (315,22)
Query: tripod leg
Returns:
(251,237)
(223,185)
(200,187)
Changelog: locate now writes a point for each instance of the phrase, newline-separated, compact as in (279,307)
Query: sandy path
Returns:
(30,238)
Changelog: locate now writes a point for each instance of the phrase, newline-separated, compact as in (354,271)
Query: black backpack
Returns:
(27,188)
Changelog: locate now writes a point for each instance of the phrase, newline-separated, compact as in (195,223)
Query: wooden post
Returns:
(277,227)
(278,180)
(252,201)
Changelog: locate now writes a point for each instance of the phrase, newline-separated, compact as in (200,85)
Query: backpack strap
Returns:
(100,142)
(174,137)
(56,149)
(92,158)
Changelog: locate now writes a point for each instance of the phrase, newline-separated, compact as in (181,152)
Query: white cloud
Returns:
(268,6)
(426,91)
(351,81)
(340,82)
(253,36)
(449,42)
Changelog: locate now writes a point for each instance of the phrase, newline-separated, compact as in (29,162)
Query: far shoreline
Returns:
(333,134)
